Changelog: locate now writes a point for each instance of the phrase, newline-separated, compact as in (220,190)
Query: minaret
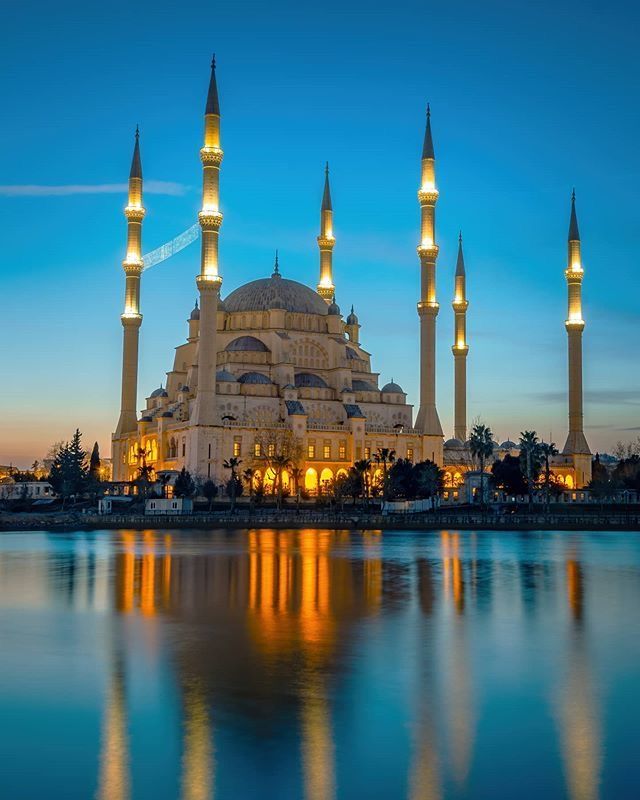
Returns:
(460,348)
(326,240)
(427,421)
(576,442)
(131,317)
(209,281)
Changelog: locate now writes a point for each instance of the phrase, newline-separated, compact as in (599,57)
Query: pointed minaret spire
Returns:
(574,233)
(428,421)
(326,196)
(205,414)
(326,241)
(460,260)
(460,347)
(276,267)
(213,104)
(131,317)
(136,163)
(427,145)
(576,444)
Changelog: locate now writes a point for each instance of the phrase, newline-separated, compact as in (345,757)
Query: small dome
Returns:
(363,386)
(247,343)
(195,314)
(253,377)
(307,380)
(508,445)
(453,444)
(334,309)
(160,392)
(352,319)
(223,376)
(392,388)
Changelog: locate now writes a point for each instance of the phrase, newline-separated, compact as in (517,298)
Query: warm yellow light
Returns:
(458,299)
(461,342)
(575,316)
(326,283)
(427,241)
(576,267)
(133,207)
(209,208)
(428,186)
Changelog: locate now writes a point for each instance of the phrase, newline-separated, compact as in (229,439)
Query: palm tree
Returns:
(481,446)
(530,454)
(547,450)
(384,456)
(362,468)
(247,477)
(232,465)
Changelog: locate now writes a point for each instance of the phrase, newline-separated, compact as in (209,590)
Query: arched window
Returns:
(311,481)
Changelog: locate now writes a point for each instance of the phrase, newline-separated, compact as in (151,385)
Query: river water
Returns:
(318,664)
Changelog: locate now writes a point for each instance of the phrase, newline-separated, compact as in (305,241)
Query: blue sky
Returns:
(528,100)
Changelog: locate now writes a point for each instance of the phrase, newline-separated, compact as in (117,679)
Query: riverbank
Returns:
(69,522)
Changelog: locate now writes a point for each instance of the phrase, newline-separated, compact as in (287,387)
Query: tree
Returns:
(145,474)
(279,451)
(68,475)
(184,485)
(362,469)
(547,451)
(234,485)
(530,459)
(385,456)
(94,463)
(507,475)
(248,476)
(429,479)
(481,447)
(402,481)
(210,491)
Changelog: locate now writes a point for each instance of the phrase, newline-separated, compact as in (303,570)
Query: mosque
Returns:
(274,370)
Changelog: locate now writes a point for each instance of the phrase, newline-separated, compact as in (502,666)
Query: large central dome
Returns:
(275,292)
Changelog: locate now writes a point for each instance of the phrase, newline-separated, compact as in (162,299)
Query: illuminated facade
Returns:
(275,360)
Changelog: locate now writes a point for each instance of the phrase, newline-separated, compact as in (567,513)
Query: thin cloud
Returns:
(68,190)
(625,397)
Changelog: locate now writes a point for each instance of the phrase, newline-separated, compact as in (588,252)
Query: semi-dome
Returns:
(392,387)
(508,445)
(159,392)
(334,309)
(195,314)
(275,292)
(363,386)
(253,377)
(247,343)
(307,380)
(352,319)
(452,444)
(225,376)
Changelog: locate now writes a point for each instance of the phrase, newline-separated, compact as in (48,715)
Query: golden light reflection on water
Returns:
(577,707)
(274,618)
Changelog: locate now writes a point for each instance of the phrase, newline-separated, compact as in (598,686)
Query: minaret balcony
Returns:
(326,242)
(131,319)
(134,213)
(574,275)
(211,156)
(460,349)
(210,220)
(574,324)
(428,308)
(428,252)
(208,283)
(460,306)
(428,197)
(133,266)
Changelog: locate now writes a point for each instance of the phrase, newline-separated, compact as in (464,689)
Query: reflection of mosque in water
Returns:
(265,640)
